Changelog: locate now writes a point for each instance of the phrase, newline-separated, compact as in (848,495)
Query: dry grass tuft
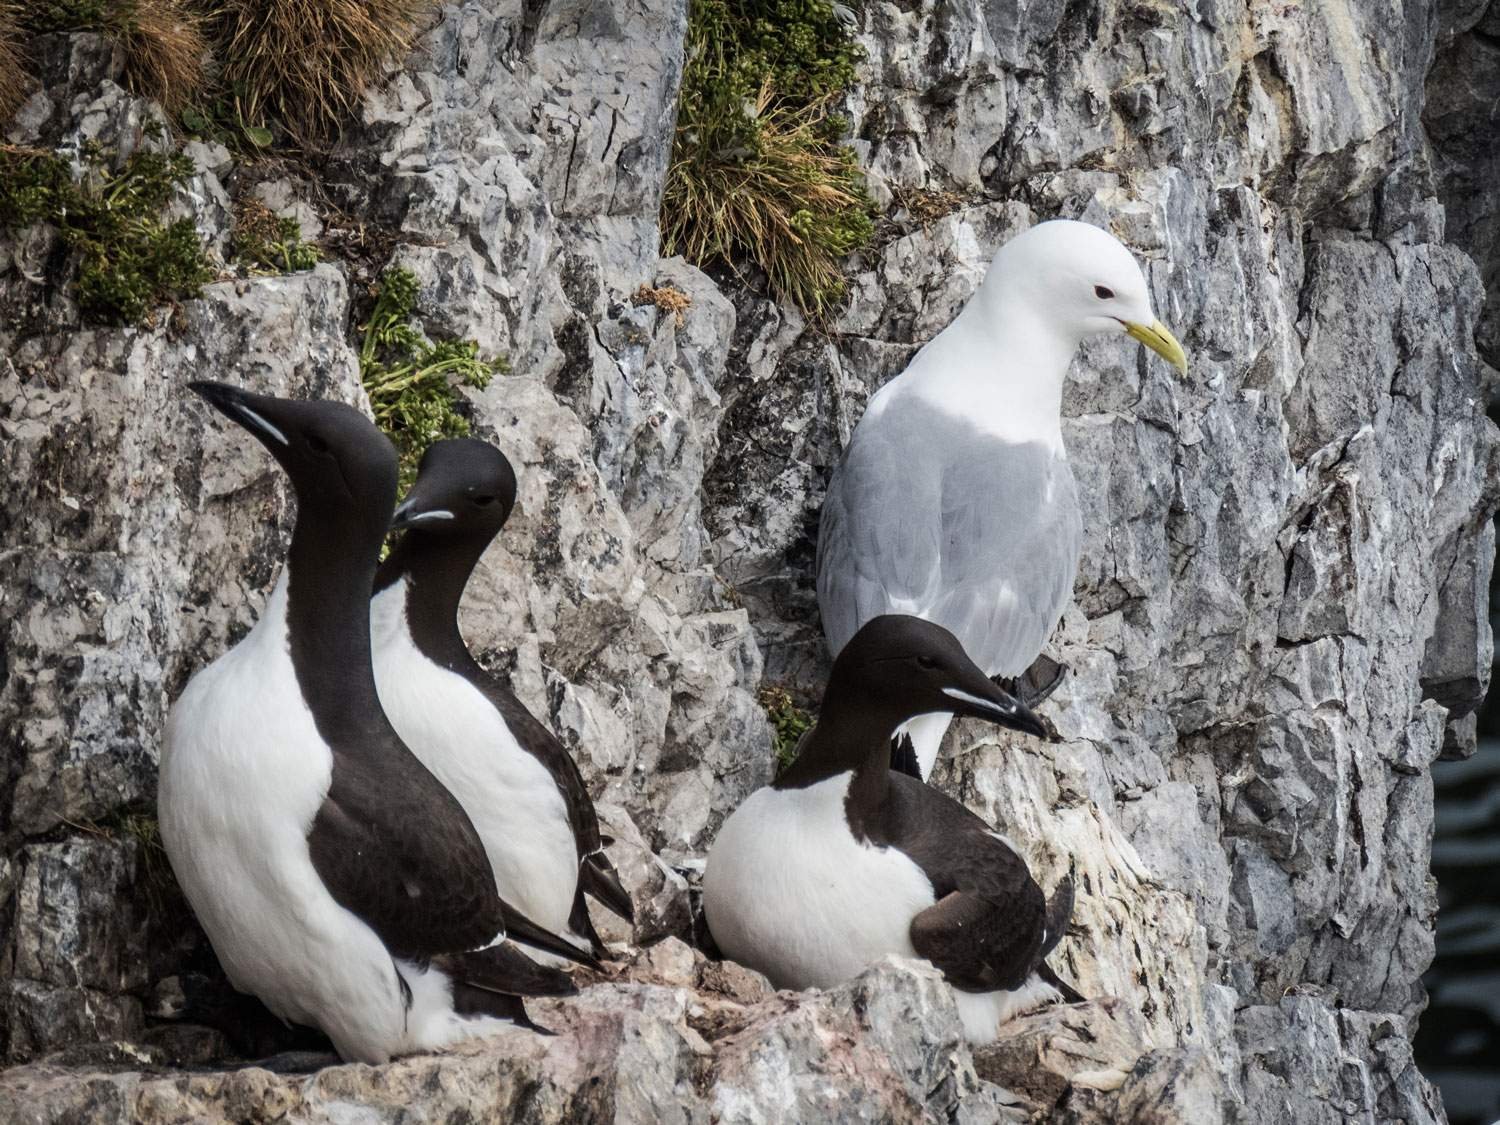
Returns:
(795,204)
(165,49)
(759,170)
(15,82)
(306,63)
(666,298)
(926,206)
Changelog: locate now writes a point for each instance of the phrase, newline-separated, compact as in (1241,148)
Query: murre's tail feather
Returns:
(520,928)
(600,881)
(505,969)
(1059,910)
(1070,995)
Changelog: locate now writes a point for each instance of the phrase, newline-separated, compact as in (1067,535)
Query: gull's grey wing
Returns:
(929,515)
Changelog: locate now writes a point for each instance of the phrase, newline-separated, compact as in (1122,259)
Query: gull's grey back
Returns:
(928,514)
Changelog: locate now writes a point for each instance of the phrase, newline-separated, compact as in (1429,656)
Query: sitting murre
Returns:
(517,782)
(336,878)
(842,861)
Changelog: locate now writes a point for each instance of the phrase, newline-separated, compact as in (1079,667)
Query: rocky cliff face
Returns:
(1280,620)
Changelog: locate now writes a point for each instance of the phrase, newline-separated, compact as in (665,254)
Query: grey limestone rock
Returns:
(1279,620)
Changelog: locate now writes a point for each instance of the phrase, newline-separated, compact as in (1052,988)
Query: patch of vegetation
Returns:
(758,168)
(307,65)
(666,298)
(129,260)
(15,80)
(154,869)
(412,382)
(788,720)
(163,41)
(266,243)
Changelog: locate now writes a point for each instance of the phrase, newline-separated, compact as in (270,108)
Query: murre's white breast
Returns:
(788,890)
(458,735)
(243,773)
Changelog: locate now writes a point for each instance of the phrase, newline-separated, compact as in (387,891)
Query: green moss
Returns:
(758,171)
(266,243)
(129,260)
(412,381)
(788,720)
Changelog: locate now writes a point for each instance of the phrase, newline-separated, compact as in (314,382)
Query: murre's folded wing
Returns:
(410,865)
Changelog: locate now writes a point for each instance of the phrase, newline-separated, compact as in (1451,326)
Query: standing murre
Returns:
(843,861)
(954,500)
(516,781)
(336,878)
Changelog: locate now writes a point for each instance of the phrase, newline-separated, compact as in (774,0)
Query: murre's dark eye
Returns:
(482,500)
(926,662)
(316,444)
(1102,293)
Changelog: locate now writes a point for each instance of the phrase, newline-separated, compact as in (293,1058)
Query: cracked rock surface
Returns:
(1279,623)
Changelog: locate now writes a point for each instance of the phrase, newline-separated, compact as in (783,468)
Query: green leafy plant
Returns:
(267,243)
(789,722)
(412,381)
(129,260)
(758,169)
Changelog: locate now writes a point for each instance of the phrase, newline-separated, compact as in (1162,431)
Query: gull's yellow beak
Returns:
(1161,341)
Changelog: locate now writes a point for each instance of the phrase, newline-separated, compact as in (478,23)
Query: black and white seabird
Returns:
(954,500)
(337,879)
(516,781)
(843,861)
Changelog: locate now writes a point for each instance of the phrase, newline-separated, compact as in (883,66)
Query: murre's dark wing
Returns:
(991,925)
(397,849)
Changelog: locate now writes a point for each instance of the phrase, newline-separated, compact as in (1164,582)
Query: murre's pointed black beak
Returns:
(246,409)
(415,510)
(981,698)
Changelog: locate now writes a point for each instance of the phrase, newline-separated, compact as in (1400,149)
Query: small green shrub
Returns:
(758,170)
(129,260)
(411,380)
(266,243)
(788,721)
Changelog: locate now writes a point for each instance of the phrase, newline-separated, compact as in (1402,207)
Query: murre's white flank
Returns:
(954,500)
(842,861)
(235,819)
(336,879)
(518,784)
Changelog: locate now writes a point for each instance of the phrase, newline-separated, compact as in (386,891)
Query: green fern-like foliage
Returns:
(758,171)
(130,261)
(410,379)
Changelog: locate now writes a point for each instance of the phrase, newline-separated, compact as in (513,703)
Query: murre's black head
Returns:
(336,457)
(464,486)
(906,666)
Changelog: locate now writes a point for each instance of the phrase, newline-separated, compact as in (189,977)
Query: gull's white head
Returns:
(1078,281)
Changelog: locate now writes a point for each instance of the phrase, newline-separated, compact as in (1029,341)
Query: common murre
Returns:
(842,861)
(337,880)
(954,500)
(517,782)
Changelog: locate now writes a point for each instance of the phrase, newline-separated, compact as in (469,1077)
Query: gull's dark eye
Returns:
(482,499)
(926,662)
(316,444)
(1102,293)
